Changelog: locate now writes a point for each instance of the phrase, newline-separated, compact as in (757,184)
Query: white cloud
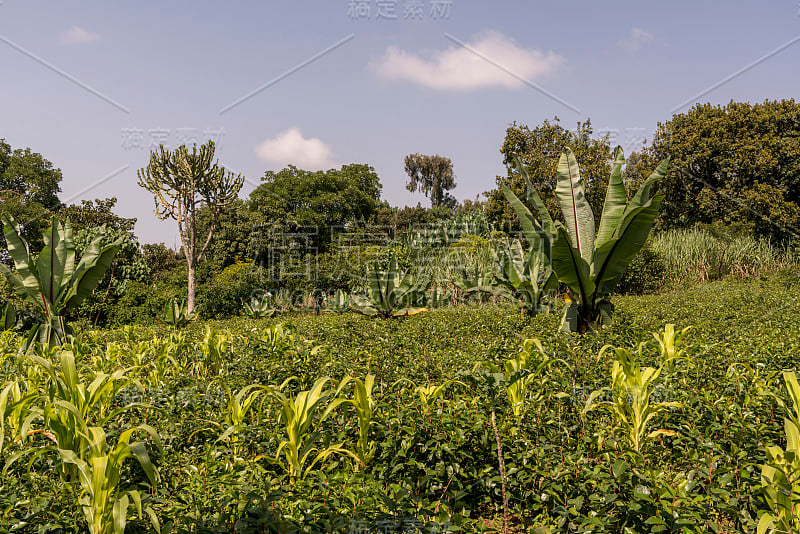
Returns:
(458,68)
(636,40)
(78,35)
(290,147)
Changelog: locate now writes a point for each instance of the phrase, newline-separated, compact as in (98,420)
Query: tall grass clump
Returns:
(700,255)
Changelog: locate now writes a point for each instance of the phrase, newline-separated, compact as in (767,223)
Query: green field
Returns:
(428,459)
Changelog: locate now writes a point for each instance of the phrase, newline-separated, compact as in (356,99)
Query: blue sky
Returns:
(399,81)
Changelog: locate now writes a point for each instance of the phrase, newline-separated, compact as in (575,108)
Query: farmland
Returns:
(428,459)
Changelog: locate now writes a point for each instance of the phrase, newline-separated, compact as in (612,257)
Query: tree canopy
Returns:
(433,176)
(540,150)
(182,182)
(738,163)
(318,201)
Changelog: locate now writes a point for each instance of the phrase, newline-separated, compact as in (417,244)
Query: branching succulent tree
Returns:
(182,182)
(52,281)
(591,265)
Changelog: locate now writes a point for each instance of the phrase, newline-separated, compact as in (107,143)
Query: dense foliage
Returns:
(733,163)
(419,447)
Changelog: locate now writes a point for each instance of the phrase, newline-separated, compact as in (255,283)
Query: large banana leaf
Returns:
(578,216)
(642,196)
(25,280)
(612,258)
(570,267)
(83,284)
(533,229)
(51,264)
(615,203)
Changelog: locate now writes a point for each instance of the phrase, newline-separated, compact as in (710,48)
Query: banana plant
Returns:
(780,476)
(631,403)
(177,314)
(590,265)
(523,275)
(259,308)
(8,317)
(103,503)
(53,281)
(338,303)
(390,292)
(298,453)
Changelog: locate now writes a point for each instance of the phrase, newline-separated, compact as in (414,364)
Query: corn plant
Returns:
(54,283)
(631,405)
(239,405)
(99,467)
(364,404)
(259,308)
(70,403)
(668,340)
(214,347)
(163,361)
(520,371)
(177,314)
(780,476)
(299,452)
(428,395)
(390,292)
(16,400)
(590,265)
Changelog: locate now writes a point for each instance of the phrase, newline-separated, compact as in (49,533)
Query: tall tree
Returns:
(29,187)
(433,176)
(317,202)
(540,149)
(738,163)
(182,183)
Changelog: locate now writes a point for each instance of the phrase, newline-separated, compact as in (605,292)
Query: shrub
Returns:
(645,274)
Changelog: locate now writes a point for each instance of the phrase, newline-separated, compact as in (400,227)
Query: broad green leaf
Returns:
(533,197)
(612,258)
(616,201)
(571,268)
(642,196)
(90,276)
(51,262)
(25,281)
(578,216)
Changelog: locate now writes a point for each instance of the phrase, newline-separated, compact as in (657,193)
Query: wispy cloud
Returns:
(458,68)
(290,147)
(77,35)
(636,40)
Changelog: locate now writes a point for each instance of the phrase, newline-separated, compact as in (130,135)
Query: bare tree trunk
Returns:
(192,286)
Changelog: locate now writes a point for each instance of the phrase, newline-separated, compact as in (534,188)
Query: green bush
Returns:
(224,292)
(645,274)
